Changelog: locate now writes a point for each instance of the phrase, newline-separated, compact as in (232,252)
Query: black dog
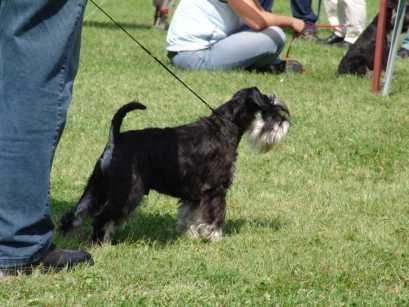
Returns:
(193,162)
(359,58)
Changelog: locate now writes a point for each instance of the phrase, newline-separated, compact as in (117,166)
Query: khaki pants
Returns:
(349,13)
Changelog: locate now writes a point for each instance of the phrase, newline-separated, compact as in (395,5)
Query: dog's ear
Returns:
(256,96)
(252,95)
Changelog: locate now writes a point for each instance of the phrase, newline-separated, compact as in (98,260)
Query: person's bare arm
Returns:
(257,18)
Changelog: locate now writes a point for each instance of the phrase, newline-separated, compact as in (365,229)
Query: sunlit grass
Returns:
(321,220)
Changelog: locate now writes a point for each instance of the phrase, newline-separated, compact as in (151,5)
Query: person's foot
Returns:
(55,259)
(293,66)
(333,39)
(309,33)
(403,53)
(287,66)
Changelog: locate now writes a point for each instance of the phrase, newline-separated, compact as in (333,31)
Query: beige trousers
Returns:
(348,15)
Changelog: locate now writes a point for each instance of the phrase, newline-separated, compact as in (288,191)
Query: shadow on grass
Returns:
(112,26)
(154,228)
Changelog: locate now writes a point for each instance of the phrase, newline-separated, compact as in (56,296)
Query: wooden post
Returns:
(379,46)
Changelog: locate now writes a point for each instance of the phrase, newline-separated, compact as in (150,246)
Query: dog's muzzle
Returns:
(269,126)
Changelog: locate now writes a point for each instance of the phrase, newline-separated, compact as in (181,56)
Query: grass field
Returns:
(320,220)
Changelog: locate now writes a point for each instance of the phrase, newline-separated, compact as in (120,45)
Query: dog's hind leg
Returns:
(125,194)
(90,203)
(204,219)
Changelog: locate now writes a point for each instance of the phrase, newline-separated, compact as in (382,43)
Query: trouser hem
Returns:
(16,262)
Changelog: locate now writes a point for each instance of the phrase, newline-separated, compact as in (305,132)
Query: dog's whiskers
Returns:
(264,139)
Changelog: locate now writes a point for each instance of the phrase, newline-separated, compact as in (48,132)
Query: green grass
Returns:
(320,220)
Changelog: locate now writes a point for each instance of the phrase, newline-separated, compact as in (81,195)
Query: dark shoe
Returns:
(333,39)
(55,259)
(287,66)
(403,53)
(293,66)
(309,34)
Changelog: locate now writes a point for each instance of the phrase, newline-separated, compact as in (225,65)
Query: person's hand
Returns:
(298,25)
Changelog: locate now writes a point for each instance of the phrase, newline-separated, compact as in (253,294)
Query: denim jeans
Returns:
(242,50)
(39,50)
(302,9)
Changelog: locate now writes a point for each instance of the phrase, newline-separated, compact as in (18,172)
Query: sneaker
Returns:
(403,53)
(309,34)
(55,259)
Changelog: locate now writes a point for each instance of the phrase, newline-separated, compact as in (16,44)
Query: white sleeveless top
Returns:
(197,24)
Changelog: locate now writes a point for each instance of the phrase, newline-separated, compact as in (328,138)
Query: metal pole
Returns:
(397,29)
(379,46)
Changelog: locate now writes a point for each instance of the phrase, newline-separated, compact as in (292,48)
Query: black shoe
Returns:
(293,66)
(403,53)
(333,39)
(287,66)
(55,259)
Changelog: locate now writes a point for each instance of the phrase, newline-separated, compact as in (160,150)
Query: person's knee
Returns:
(277,35)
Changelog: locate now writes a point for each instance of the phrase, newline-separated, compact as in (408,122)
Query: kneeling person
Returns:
(229,34)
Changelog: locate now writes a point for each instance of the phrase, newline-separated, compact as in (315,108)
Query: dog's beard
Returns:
(263,138)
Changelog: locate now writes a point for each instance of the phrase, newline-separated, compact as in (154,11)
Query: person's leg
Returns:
(302,9)
(242,50)
(39,49)
(405,42)
(354,14)
(331,9)
(267,5)
(161,14)
(404,48)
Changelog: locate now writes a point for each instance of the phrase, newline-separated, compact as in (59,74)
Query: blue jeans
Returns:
(242,50)
(302,9)
(39,50)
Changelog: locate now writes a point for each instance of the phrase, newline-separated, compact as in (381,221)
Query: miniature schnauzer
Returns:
(193,162)
(359,59)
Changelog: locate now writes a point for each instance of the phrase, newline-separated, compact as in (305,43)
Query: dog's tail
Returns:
(96,192)
(118,118)
(115,131)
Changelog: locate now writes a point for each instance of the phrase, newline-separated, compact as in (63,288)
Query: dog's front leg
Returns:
(204,219)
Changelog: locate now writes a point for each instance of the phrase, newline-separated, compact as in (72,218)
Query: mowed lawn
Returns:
(320,220)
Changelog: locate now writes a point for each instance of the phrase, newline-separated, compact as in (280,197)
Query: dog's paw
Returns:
(204,232)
